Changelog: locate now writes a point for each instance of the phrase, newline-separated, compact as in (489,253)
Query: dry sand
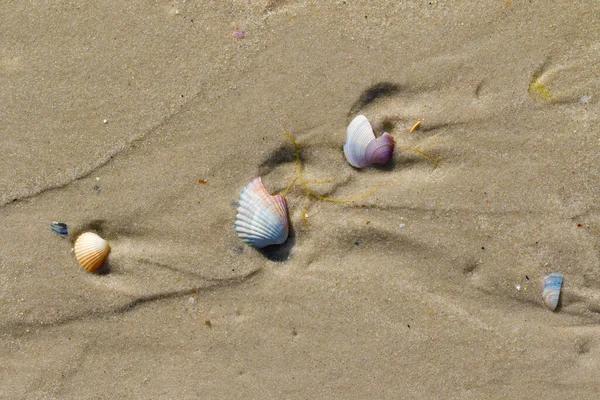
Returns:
(429,288)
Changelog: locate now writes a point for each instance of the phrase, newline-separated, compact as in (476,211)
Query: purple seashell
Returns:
(380,150)
(362,148)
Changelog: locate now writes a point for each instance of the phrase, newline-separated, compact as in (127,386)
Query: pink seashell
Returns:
(362,149)
(262,219)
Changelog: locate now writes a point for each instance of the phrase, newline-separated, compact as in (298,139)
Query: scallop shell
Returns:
(551,293)
(91,251)
(362,148)
(262,219)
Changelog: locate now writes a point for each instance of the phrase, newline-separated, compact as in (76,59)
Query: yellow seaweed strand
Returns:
(538,87)
(436,161)
(320,182)
(289,186)
(305,185)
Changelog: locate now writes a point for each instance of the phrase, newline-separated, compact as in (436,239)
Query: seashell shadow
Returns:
(388,166)
(105,269)
(374,93)
(387,125)
(280,252)
(282,155)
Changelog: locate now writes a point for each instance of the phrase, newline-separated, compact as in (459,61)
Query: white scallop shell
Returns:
(362,148)
(91,251)
(551,293)
(262,219)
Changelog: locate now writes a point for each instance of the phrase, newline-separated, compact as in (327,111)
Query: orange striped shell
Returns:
(91,251)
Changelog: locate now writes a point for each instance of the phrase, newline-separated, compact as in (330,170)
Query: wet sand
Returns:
(430,287)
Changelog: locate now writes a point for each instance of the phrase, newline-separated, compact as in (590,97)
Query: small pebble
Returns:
(402,225)
(105,121)
(191,300)
(585,99)
(239,35)
(518,287)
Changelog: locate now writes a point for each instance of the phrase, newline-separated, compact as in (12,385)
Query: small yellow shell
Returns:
(91,251)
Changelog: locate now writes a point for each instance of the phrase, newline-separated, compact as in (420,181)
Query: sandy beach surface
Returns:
(142,121)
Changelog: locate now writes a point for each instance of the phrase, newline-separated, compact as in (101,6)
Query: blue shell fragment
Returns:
(59,228)
(551,293)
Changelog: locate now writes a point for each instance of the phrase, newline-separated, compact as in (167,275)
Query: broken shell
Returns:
(362,148)
(59,228)
(91,251)
(262,219)
(551,293)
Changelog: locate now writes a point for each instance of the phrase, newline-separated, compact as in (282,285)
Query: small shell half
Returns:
(59,228)
(262,219)
(91,251)
(551,293)
(362,148)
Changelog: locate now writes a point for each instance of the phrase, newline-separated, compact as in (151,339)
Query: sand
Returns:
(428,288)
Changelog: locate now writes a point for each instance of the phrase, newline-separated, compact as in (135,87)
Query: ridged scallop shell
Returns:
(91,251)
(551,293)
(362,148)
(262,219)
